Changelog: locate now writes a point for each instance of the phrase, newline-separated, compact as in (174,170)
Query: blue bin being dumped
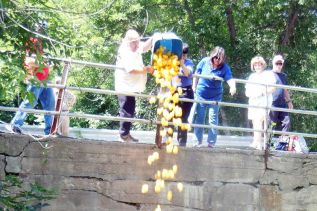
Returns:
(170,41)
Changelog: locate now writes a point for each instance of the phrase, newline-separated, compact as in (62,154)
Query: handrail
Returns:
(238,105)
(112,118)
(109,66)
(92,64)
(296,88)
(103,91)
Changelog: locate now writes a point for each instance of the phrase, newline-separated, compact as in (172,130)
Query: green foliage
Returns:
(312,145)
(15,195)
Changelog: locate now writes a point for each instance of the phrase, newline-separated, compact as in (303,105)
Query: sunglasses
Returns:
(279,63)
(216,57)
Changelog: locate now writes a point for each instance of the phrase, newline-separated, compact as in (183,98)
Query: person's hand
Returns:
(232,85)
(182,62)
(149,69)
(290,105)
(232,90)
(194,88)
(29,65)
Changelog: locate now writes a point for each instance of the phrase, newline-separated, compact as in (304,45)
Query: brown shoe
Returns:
(133,139)
(127,138)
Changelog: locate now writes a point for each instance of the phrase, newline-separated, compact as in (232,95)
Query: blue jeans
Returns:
(47,100)
(200,119)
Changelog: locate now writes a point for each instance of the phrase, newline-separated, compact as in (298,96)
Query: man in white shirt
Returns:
(131,76)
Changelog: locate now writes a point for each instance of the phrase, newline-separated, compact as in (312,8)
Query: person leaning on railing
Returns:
(184,81)
(259,95)
(211,89)
(281,97)
(132,78)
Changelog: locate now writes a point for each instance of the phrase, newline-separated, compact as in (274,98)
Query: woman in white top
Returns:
(130,76)
(259,95)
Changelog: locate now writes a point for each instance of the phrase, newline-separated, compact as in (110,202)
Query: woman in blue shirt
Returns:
(211,90)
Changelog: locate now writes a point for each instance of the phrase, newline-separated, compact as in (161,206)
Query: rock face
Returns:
(96,175)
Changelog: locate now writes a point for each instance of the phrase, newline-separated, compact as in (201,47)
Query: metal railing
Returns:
(145,121)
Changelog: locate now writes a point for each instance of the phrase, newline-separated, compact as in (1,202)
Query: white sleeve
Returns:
(271,78)
(252,90)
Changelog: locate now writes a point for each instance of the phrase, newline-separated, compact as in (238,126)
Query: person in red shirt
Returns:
(44,95)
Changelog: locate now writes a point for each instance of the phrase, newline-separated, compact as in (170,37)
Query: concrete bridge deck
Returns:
(147,137)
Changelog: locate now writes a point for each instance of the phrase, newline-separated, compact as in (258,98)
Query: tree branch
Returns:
(288,33)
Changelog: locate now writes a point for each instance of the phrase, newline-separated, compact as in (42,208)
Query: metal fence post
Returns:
(60,97)
(266,135)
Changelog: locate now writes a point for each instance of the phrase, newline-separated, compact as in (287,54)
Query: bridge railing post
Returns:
(60,98)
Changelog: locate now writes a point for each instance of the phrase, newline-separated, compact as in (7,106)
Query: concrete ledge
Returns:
(98,175)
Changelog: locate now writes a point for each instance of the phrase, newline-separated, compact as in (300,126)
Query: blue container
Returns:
(169,41)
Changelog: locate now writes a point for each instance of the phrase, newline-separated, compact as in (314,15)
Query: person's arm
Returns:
(287,95)
(232,85)
(132,64)
(228,77)
(146,69)
(198,72)
(30,66)
(147,45)
(270,89)
(270,79)
(195,82)
(288,99)
(187,69)
(248,87)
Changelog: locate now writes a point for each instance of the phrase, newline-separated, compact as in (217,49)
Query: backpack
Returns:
(292,143)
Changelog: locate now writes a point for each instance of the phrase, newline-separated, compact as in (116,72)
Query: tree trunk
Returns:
(233,43)
(224,121)
(231,25)
(288,33)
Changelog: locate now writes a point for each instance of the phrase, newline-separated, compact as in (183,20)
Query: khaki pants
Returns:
(64,125)
(257,136)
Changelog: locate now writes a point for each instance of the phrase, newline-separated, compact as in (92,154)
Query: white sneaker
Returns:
(198,145)
(9,128)
(13,129)
(256,146)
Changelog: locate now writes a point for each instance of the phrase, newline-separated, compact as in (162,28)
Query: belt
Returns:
(186,88)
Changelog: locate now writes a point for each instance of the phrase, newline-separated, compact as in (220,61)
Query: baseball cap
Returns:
(278,58)
(131,35)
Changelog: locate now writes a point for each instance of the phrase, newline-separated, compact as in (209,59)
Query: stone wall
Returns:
(95,175)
